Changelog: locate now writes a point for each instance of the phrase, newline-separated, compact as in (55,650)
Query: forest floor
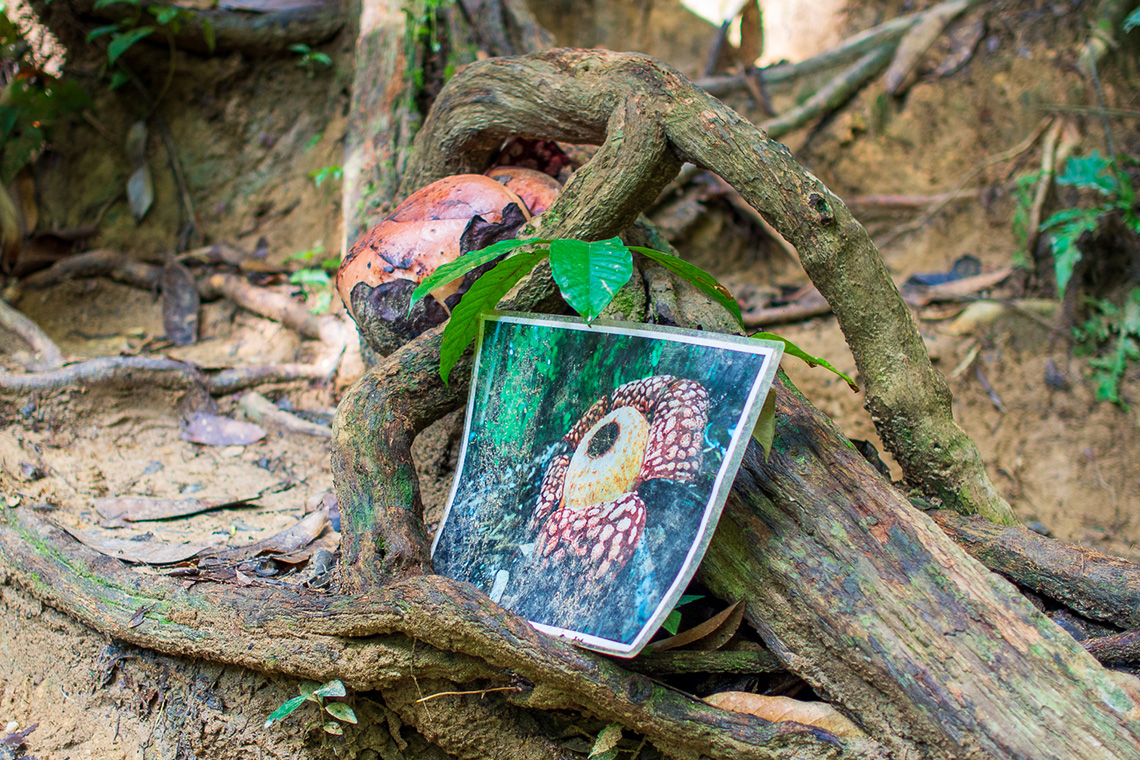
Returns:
(252,138)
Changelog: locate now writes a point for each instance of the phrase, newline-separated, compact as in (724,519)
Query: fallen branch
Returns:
(831,96)
(1094,585)
(1123,647)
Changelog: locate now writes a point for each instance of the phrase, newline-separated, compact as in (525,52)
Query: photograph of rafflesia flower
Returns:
(595,462)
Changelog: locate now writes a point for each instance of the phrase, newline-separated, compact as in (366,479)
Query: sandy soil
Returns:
(252,137)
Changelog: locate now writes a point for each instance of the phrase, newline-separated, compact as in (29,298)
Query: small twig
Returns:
(894,201)
(989,389)
(1108,143)
(462,693)
(1114,112)
(1041,191)
(1007,155)
(847,51)
(811,305)
(45,353)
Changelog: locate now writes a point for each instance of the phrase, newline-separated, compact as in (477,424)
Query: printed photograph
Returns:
(595,462)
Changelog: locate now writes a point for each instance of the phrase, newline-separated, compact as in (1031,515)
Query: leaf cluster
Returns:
(1116,328)
(588,275)
(1113,193)
(33,103)
(309,60)
(141,22)
(315,278)
(319,694)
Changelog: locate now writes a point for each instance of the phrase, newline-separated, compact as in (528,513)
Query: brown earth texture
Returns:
(251,134)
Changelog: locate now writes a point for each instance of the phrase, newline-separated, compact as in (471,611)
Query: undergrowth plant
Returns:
(314,278)
(1116,329)
(310,59)
(1114,194)
(319,694)
(31,103)
(140,22)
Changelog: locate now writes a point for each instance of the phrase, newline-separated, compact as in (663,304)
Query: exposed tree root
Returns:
(144,371)
(252,33)
(45,353)
(415,629)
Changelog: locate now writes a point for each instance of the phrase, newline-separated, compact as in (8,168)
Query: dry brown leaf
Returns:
(214,430)
(785,709)
(709,635)
(288,542)
(147,551)
(140,508)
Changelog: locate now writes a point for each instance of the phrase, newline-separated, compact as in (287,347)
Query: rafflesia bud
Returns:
(434,226)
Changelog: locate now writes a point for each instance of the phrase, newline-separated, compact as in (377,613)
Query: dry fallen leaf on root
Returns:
(785,709)
(709,635)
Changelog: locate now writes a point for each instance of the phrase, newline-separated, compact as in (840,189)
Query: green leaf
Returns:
(208,34)
(605,746)
(672,623)
(318,277)
(701,279)
(285,709)
(765,430)
(590,274)
(331,689)
(163,14)
(322,302)
(687,598)
(334,728)
(1090,172)
(118,79)
(321,58)
(107,3)
(484,295)
(99,31)
(300,48)
(123,42)
(1132,20)
(464,264)
(799,353)
(341,711)
(1066,253)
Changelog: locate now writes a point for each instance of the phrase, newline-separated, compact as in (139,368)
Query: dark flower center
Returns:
(603,440)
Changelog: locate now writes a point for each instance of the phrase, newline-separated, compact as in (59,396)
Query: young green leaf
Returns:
(1066,252)
(208,34)
(484,294)
(341,711)
(672,622)
(765,430)
(590,274)
(334,728)
(99,31)
(701,279)
(464,264)
(1132,20)
(122,42)
(799,353)
(310,276)
(331,689)
(285,709)
(1090,172)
